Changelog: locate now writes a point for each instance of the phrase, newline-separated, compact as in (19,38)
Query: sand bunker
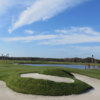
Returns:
(48,77)
(8,94)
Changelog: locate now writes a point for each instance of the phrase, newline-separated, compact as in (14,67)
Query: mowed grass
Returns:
(10,73)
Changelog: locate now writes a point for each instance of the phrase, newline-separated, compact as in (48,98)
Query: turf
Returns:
(46,87)
(10,73)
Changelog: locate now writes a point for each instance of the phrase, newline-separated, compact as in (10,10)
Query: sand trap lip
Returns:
(8,94)
(47,77)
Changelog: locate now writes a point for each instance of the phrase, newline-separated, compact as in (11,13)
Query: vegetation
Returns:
(94,73)
(45,62)
(51,60)
(10,73)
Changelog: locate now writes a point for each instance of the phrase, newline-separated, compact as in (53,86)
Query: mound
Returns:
(47,87)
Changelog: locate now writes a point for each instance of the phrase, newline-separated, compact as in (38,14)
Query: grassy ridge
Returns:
(43,87)
(10,74)
(46,87)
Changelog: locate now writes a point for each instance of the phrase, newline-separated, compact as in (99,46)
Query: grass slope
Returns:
(10,74)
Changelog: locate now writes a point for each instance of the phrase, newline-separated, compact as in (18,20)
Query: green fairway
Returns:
(10,73)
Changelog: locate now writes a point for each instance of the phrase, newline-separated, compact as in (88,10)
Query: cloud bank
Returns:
(30,38)
(74,35)
(41,10)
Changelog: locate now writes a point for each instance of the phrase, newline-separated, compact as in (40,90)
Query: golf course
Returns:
(46,82)
(49,50)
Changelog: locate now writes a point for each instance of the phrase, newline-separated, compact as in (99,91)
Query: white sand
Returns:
(8,94)
(48,77)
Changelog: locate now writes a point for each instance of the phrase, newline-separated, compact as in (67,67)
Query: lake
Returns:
(59,65)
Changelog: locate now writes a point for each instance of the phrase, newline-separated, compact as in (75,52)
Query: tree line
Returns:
(76,59)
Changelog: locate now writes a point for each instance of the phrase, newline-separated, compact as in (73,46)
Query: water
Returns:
(59,65)
(68,66)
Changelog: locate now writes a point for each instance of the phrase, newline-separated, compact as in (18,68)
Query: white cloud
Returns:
(30,38)
(29,31)
(77,30)
(64,31)
(75,35)
(42,10)
(72,39)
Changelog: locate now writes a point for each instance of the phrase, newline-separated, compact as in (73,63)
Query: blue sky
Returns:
(50,28)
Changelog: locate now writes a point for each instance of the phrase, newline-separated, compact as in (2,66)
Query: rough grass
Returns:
(44,87)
